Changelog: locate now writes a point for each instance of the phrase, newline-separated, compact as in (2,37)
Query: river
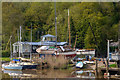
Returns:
(48,73)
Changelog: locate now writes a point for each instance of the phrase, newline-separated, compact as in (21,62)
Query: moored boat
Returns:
(27,63)
(79,65)
(12,66)
(66,54)
(19,64)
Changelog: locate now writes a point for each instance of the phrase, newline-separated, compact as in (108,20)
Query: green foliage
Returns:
(103,18)
(113,65)
(5,53)
(5,59)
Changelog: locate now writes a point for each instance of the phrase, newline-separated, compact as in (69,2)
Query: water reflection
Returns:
(16,74)
(84,74)
(48,74)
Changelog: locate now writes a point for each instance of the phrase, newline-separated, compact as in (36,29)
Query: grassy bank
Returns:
(5,58)
(113,65)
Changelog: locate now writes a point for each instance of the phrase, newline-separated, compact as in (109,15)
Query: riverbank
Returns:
(5,58)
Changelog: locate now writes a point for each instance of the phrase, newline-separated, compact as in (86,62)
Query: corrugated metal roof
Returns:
(48,35)
(41,43)
(114,44)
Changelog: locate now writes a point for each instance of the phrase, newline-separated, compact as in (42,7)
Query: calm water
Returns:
(48,73)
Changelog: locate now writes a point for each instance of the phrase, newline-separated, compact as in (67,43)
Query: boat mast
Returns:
(69,30)
(20,43)
(55,24)
(31,44)
(11,47)
(119,38)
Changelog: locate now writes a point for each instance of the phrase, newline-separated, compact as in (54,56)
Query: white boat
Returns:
(65,51)
(12,66)
(59,50)
(19,65)
(89,62)
(79,65)
(46,50)
(66,54)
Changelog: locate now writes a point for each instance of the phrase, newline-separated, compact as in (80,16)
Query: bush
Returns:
(5,53)
(113,65)
(56,62)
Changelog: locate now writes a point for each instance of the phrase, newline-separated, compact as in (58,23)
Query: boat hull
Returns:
(29,66)
(67,54)
(13,67)
(47,51)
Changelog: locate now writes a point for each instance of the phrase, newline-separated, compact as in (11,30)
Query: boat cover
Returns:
(16,59)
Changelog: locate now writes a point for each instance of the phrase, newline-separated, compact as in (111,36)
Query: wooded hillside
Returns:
(103,18)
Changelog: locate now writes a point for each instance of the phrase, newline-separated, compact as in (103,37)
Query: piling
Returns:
(96,68)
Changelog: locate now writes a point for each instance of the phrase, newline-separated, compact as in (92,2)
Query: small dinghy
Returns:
(79,65)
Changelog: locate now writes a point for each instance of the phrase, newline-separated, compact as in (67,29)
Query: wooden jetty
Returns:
(112,71)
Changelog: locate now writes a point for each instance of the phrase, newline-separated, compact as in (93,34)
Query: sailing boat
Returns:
(20,63)
(61,47)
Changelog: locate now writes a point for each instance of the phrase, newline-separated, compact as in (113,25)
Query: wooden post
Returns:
(107,59)
(96,68)
(107,68)
(118,62)
(118,65)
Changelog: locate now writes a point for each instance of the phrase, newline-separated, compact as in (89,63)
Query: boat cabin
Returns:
(115,53)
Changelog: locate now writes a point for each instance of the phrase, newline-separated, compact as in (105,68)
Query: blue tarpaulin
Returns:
(16,59)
